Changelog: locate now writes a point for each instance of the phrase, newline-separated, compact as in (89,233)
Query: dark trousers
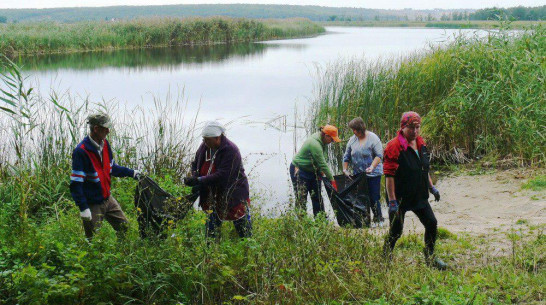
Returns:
(427,218)
(306,183)
(243,225)
(374,190)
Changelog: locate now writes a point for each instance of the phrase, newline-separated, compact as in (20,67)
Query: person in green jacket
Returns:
(309,165)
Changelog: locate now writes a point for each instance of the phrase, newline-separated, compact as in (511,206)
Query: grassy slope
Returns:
(287,260)
(39,38)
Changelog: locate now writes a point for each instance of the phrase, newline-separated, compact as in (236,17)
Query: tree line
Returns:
(514,13)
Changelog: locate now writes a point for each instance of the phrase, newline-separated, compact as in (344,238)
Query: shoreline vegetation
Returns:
(50,37)
(458,24)
(45,259)
(480,97)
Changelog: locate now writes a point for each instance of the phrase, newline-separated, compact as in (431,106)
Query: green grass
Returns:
(46,260)
(537,183)
(51,37)
(479,97)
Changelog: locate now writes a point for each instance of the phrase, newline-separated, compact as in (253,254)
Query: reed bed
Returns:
(52,37)
(479,96)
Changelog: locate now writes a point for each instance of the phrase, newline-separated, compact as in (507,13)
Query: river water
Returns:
(262,90)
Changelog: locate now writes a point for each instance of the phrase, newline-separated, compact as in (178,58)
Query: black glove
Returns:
(191,181)
(434,191)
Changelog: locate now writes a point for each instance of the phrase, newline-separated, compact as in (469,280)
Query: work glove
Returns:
(334,184)
(191,181)
(393,206)
(86,214)
(434,191)
(137,174)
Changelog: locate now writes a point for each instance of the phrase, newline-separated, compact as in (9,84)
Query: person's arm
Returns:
(318,156)
(389,181)
(121,171)
(117,170)
(76,180)
(372,167)
(377,151)
(390,166)
(347,159)
(433,190)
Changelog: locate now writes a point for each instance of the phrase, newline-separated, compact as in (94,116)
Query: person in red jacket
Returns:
(406,167)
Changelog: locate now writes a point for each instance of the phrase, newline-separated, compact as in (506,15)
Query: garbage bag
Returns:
(156,207)
(351,203)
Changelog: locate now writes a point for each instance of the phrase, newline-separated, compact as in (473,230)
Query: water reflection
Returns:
(190,56)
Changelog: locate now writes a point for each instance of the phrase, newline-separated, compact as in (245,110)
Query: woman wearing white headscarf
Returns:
(223,186)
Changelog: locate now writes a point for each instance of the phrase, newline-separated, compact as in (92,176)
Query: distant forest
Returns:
(514,13)
(260,11)
(314,13)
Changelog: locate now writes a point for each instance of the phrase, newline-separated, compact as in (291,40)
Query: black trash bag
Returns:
(351,203)
(156,207)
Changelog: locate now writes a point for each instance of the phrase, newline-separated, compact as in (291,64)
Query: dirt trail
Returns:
(486,204)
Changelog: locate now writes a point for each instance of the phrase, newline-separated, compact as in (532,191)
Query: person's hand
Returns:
(191,181)
(334,184)
(137,174)
(434,191)
(347,173)
(370,169)
(86,214)
(393,206)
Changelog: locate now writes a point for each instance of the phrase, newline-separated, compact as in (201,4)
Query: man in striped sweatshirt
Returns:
(92,167)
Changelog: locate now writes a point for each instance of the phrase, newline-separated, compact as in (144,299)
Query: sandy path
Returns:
(485,204)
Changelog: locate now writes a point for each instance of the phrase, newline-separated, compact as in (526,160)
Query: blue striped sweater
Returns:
(86,186)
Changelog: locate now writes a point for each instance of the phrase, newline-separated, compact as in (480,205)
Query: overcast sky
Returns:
(385,4)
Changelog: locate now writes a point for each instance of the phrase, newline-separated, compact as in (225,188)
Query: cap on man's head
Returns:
(99,119)
(331,130)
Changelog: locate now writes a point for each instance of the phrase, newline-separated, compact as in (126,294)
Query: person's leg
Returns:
(374,189)
(300,191)
(97,216)
(243,225)
(395,231)
(213,225)
(314,188)
(427,218)
(115,216)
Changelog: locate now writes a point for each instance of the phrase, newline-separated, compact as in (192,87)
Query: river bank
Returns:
(51,37)
(462,24)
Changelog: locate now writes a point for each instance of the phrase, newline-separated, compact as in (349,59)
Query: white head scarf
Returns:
(213,129)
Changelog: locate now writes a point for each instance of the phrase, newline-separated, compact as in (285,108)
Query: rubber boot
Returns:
(434,262)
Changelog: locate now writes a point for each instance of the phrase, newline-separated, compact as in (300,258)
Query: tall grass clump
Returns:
(479,96)
(40,132)
(53,37)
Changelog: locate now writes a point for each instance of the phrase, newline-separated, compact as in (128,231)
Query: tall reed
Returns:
(40,132)
(478,95)
(52,37)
